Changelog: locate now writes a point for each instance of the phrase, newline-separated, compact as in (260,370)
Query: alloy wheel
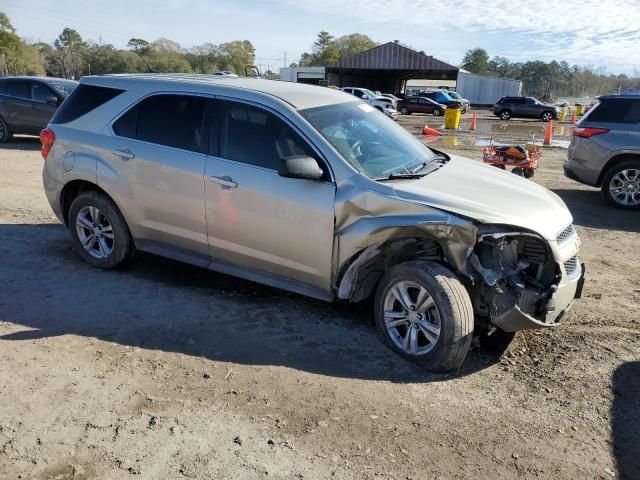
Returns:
(94,232)
(546,117)
(625,187)
(505,115)
(411,318)
(3,131)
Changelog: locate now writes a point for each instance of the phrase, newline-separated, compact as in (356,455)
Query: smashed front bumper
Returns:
(522,281)
(559,304)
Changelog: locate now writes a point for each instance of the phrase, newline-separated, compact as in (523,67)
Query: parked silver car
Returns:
(311,190)
(605,150)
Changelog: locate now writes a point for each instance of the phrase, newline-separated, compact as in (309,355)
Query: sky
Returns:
(600,33)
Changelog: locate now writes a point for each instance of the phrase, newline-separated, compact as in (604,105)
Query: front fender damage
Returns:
(370,224)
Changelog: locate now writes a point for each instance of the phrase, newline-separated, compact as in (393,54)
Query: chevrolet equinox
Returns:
(311,190)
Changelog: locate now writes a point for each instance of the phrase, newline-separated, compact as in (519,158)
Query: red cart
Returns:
(525,167)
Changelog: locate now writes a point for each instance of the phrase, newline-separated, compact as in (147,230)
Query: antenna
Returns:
(151,70)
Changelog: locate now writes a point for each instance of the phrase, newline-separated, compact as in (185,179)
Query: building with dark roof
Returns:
(387,67)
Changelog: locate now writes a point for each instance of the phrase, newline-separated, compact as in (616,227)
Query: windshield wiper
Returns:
(435,162)
(400,176)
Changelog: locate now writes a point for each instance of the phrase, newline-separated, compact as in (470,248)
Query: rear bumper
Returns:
(578,172)
(560,303)
(53,191)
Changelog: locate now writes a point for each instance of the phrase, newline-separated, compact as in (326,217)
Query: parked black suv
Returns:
(28,103)
(526,107)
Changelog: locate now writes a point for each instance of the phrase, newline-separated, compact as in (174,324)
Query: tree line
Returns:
(70,56)
(552,79)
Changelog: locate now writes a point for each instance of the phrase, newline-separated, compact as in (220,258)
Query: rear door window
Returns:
(616,111)
(257,137)
(19,90)
(82,100)
(168,119)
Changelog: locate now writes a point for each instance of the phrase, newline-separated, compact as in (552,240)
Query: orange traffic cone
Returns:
(548,133)
(430,131)
(473,121)
(573,117)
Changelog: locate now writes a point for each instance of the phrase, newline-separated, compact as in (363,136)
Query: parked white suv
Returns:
(384,104)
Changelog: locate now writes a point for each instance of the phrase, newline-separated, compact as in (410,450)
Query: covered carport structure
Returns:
(387,68)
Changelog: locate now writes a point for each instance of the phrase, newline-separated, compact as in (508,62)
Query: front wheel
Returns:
(424,313)
(621,185)
(99,231)
(404,110)
(437,112)
(547,116)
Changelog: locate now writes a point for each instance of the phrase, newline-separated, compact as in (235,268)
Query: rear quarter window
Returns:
(616,111)
(82,100)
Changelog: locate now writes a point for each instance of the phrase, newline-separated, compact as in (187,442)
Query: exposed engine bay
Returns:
(515,276)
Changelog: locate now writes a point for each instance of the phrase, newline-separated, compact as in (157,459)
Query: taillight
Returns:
(586,132)
(47,137)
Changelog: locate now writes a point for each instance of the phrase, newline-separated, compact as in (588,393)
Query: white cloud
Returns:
(602,33)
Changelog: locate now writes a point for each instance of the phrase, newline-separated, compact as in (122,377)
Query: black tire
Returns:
(607,183)
(501,167)
(437,112)
(547,116)
(380,109)
(405,111)
(529,172)
(455,313)
(517,171)
(505,115)
(122,244)
(5,133)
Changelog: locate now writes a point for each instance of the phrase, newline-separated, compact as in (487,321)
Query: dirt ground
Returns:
(167,371)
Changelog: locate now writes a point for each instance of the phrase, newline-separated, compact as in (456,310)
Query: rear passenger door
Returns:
(18,106)
(156,163)
(256,219)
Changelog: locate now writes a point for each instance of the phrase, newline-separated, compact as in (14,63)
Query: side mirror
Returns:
(300,166)
(52,100)
(365,97)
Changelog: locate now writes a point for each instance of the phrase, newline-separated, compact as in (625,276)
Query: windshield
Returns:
(65,88)
(454,95)
(369,93)
(373,144)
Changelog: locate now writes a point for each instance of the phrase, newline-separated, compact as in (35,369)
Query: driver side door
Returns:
(268,226)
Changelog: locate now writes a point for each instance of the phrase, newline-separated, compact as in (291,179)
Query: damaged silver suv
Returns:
(308,189)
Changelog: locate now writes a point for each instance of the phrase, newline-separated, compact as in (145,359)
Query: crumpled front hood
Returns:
(489,195)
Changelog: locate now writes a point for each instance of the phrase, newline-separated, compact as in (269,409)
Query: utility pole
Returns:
(285,59)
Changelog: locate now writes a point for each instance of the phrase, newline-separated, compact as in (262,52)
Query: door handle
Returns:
(125,154)
(225,181)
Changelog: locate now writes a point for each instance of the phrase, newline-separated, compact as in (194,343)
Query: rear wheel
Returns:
(621,185)
(518,171)
(529,172)
(99,231)
(437,112)
(424,314)
(5,135)
(505,115)
(404,111)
